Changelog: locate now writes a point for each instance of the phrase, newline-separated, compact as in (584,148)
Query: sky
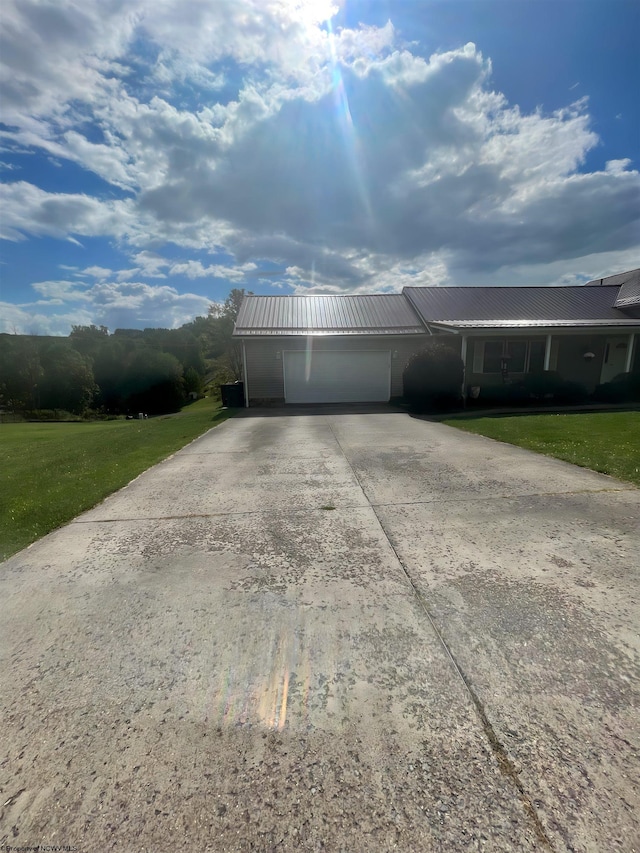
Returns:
(155,154)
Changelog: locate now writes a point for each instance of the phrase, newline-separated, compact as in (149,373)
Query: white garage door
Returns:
(337,377)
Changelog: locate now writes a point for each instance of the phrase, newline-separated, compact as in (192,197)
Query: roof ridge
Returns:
(307,295)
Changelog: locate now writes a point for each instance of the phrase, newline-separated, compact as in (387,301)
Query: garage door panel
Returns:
(337,377)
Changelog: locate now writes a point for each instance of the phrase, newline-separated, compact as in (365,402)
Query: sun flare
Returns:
(312,13)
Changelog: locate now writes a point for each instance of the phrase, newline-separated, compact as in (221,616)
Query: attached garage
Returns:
(342,376)
(326,349)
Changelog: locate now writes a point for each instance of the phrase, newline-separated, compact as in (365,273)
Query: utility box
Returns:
(232,395)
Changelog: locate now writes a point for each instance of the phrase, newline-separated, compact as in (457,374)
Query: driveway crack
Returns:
(505,764)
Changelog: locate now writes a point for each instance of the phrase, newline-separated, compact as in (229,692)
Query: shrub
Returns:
(433,378)
(537,388)
(544,385)
(99,415)
(571,393)
(50,415)
(502,395)
(623,388)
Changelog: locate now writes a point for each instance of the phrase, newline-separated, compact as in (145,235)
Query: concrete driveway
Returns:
(341,632)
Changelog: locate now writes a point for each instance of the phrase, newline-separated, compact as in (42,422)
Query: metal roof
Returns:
(629,293)
(531,324)
(519,306)
(618,278)
(381,314)
(610,302)
(629,284)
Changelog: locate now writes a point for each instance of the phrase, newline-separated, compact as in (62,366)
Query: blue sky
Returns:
(155,155)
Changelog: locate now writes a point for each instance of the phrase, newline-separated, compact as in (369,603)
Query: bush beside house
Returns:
(551,389)
(535,389)
(433,378)
(624,388)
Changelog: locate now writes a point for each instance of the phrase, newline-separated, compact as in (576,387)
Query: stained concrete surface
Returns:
(329,631)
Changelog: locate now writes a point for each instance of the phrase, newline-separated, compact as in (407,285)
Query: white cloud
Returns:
(121,305)
(195,269)
(356,45)
(55,51)
(107,161)
(112,304)
(28,320)
(150,264)
(27,209)
(566,271)
(100,273)
(427,159)
(618,166)
(283,33)
(59,291)
(345,159)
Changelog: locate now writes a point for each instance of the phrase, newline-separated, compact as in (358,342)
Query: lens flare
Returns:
(352,146)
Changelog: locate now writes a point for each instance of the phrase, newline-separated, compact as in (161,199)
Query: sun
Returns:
(311,13)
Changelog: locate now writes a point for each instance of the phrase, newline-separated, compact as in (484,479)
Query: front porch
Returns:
(509,356)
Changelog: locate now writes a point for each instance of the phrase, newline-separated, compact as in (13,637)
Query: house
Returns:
(333,349)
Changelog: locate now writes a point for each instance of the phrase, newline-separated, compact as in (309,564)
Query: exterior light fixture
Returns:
(588,355)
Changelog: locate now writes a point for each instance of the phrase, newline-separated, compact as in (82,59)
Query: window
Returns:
(517,355)
(536,356)
(492,357)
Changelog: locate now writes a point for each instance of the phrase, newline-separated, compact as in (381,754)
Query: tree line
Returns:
(152,370)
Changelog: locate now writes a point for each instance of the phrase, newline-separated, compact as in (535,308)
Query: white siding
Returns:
(264,369)
(264,358)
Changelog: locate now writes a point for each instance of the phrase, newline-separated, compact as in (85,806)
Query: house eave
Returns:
(471,325)
(351,333)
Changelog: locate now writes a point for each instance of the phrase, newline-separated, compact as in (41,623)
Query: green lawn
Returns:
(608,442)
(51,472)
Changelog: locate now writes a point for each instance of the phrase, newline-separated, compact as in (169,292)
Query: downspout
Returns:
(244,375)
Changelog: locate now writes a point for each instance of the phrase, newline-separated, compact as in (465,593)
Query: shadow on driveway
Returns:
(321,409)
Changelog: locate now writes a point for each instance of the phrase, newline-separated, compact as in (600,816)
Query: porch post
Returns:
(629,361)
(547,353)
(463,356)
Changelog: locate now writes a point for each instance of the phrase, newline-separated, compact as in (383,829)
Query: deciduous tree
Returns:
(68,382)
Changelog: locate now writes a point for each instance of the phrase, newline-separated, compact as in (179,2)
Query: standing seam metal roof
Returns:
(518,305)
(629,294)
(389,314)
(629,284)
(409,312)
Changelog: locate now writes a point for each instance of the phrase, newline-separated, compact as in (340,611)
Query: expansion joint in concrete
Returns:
(505,764)
(514,497)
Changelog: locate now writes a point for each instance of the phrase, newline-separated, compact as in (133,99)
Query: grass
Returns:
(608,442)
(51,472)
